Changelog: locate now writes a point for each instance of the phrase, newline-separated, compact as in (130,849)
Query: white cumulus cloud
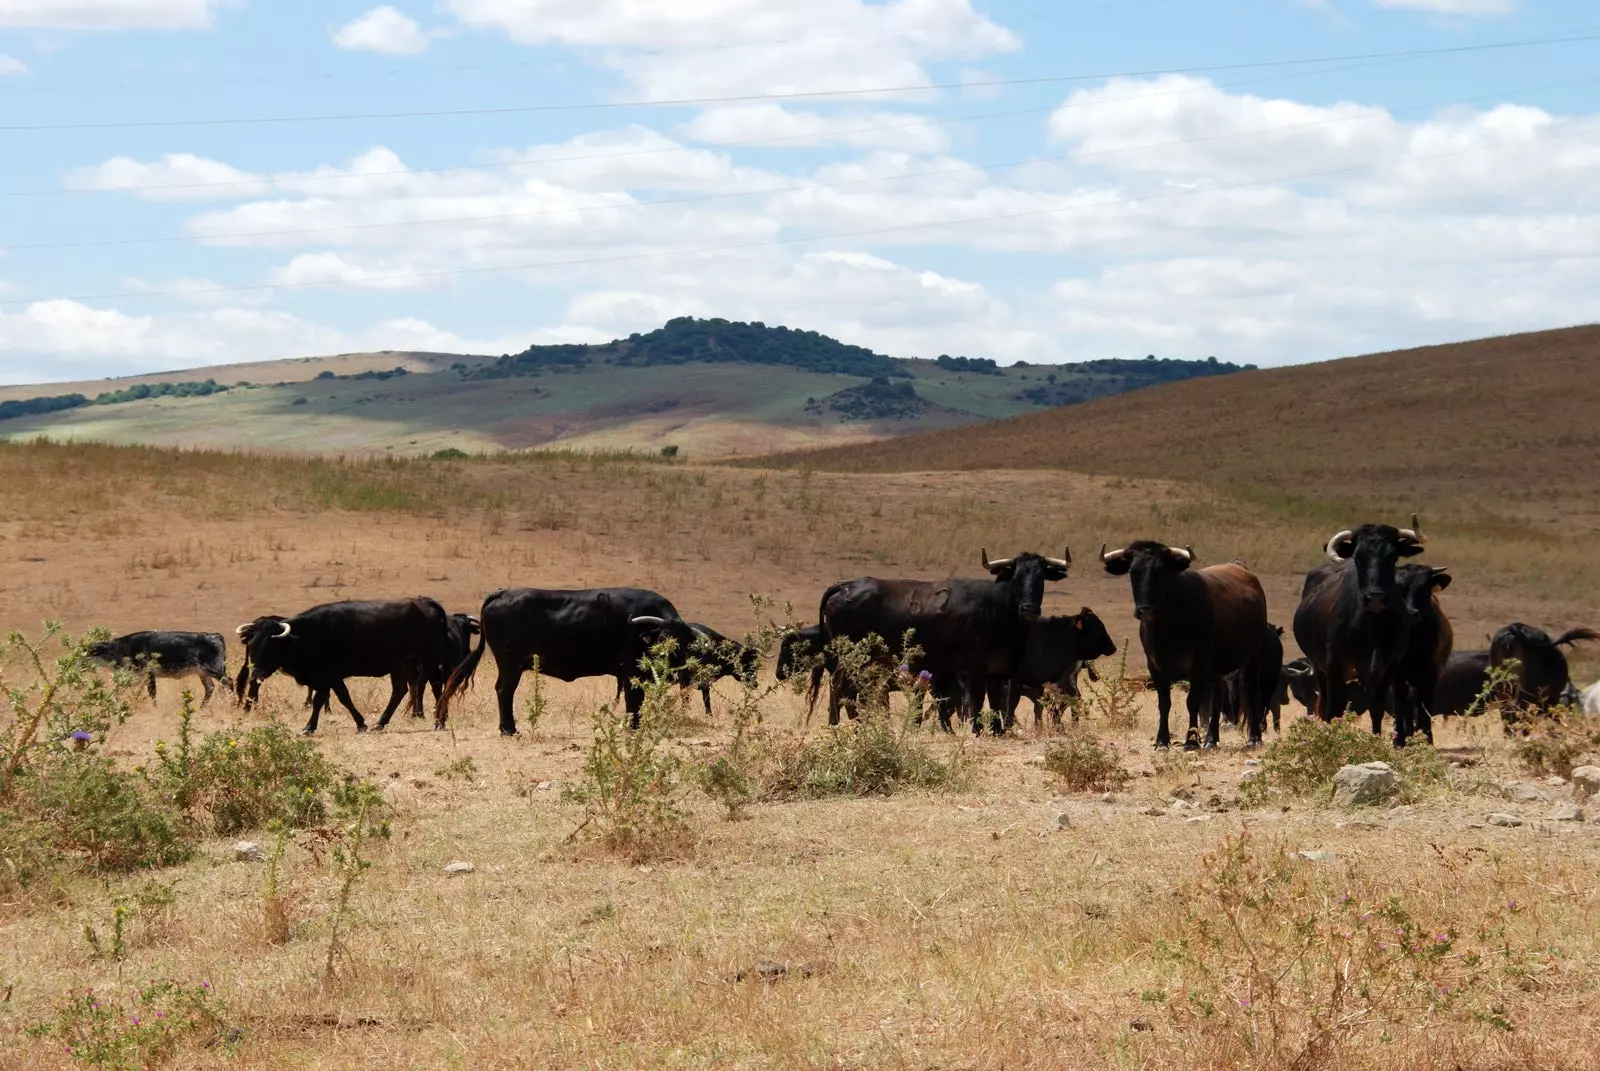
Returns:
(110,14)
(175,177)
(10,65)
(786,128)
(383,29)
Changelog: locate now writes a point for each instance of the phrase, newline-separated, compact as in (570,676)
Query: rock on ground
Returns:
(1586,782)
(247,851)
(1522,792)
(1368,783)
(1567,812)
(459,867)
(1506,821)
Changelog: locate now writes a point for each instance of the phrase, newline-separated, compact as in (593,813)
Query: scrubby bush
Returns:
(1085,763)
(1301,764)
(99,1030)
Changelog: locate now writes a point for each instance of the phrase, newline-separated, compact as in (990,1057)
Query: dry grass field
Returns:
(971,927)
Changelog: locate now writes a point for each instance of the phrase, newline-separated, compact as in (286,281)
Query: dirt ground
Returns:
(1011,924)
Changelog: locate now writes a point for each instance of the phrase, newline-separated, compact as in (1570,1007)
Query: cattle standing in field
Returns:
(590,632)
(1429,639)
(1461,682)
(460,629)
(168,654)
(1351,622)
(1196,626)
(1055,650)
(1541,673)
(967,630)
(1300,681)
(720,656)
(405,640)
(1267,685)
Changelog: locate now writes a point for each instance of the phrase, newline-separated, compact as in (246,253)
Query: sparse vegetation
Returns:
(1301,764)
(1085,763)
(100,1029)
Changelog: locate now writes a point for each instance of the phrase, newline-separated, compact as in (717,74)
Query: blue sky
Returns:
(189,182)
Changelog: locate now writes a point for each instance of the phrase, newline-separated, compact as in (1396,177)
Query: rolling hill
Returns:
(1508,423)
(709,387)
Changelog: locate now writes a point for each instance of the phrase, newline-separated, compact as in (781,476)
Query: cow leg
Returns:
(705,697)
(343,692)
(835,695)
(319,700)
(1255,708)
(1332,695)
(1203,703)
(505,690)
(208,686)
(150,684)
(1422,711)
(634,699)
(400,686)
(1164,709)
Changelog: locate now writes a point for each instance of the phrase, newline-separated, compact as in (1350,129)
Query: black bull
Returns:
(406,640)
(966,630)
(590,632)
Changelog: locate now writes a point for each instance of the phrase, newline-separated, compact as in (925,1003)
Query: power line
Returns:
(802,95)
(1371,113)
(866,233)
(816,135)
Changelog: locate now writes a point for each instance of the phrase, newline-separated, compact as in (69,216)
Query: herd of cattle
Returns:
(1375,637)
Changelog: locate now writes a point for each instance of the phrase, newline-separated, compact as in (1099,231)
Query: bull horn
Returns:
(998,563)
(647,620)
(1114,555)
(475,619)
(242,629)
(285,630)
(1414,533)
(1064,563)
(1187,552)
(1329,548)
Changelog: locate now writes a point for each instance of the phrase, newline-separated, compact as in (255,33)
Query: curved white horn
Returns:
(1064,563)
(1333,554)
(647,620)
(242,629)
(1114,555)
(1414,532)
(1188,553)
(285,630)
(998,563)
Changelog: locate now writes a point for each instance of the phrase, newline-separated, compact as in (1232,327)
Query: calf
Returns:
(1259,682)
(1195,625)
(1429,639)
(169,655)
(1055,651)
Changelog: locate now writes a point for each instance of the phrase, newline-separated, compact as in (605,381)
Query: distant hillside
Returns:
(1509,420)
(707,387)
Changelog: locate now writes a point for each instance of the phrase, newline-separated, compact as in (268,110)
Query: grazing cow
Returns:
(1351,622)
(168,654)
(1429,640)
(406,640)
(1055,650)
(590,632)
(1461,682)
(1196,626)
(710,658)
(1267,686)
(1300,680)
(1541,672)
(967,630)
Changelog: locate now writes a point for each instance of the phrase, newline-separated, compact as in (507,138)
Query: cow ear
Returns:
(1118,566)
(1078,623)
(1441,579)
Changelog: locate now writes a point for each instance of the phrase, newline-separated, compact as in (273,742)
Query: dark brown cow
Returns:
(1352,623)
(1429,641)
(1196,625)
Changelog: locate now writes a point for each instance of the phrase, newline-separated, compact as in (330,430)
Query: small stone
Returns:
(1522,792)
(1567,812)
(1109,797)
(1368,783)
(770,970)
(1457,766)
(1184,793)
(1180,806)
(1505,821)
(1198,818)
(459,866)
(1556,781)
(1585,782)
(1252,762)
(646,869)
(1063,821)
(545,786)
(1140,1025)
(1358,823)
(1318,856)
(247,851)
(1037,760)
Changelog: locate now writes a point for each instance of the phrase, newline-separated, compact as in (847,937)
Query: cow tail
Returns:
(1574,635)
(815,690)
(461,678)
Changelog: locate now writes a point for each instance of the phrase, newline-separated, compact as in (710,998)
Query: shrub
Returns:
(1555,744)
(97,1029)
(1084,763)
(244,780)
(1278,967)
(1302,763)
(630,785)
(449,453)
(1113,700)
(463,769)
(103,817)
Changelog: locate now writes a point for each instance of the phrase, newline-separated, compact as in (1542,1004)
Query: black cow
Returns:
(406,640)
(1055,651)
(1541,673)
(1196,626)
(967,630)
(1429,640)
(590,632)
(168,654)
(1352,623)
(1300,681)
(1267,685)
(1461,682)
(710,658)
(460,629)
(805,649)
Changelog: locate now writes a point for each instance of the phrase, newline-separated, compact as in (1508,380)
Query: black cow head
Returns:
(1026,574)
(1092,635)
(265,641)
(1149,565)
(1373,550)
(1417,583)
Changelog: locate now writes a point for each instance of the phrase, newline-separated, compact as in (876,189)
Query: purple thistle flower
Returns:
(925,676)
(83,736)
(903,669)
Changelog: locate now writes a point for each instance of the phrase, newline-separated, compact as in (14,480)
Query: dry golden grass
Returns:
(920,931)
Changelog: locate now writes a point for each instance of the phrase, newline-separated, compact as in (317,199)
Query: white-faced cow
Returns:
(967,630)
(406,640)
(1196,625)
(589,632)
(1352,621)
(167,654)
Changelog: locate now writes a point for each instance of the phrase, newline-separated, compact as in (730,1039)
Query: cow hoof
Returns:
(308,732)
(508,732)
(1163,745)
(1190,745)
(1209,745)
(361,728)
